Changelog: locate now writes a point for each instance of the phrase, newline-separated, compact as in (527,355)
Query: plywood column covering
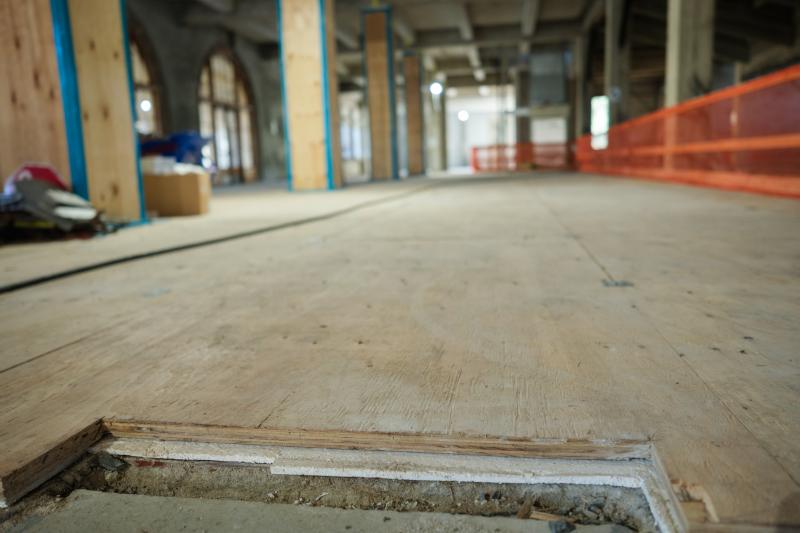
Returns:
(100,42)
(380,93)
(31,111)
(412,74)
(308,59)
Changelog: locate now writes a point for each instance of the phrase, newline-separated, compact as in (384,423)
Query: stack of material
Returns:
(175,189)
(36,204)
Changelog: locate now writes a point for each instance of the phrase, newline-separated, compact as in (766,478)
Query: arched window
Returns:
(226,117)
(148,104)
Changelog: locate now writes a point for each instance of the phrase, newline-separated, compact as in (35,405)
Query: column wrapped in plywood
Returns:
(379,62)
(310,93)
(31,111)
(412,73)
(100,43)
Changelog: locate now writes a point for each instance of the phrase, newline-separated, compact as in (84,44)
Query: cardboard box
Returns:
(171,195)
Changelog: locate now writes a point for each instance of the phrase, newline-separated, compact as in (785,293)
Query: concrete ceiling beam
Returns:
(726,47)
(549,33)
(252,19)
(224,6)
(468,34)
(495,78)
(347,38)
(771,23)
(592,13)
(403,30)
(530,16)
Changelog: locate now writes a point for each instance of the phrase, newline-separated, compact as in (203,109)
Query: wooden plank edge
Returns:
(625,449)
(21,480)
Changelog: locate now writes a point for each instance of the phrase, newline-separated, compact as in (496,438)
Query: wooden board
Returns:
(476,308)
(109,143)
(381,441)
(302,65)
(31,112)
(376,54)
(14,484)
(414,125)
(233,211)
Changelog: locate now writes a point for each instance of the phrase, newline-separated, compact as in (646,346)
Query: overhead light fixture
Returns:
(146,105)
(463,115)
(436,88)
(483,90)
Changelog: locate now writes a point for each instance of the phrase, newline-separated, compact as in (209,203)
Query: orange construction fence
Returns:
(746,137)
(520,156)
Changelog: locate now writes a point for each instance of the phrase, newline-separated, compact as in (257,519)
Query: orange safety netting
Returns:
(520,156)
(745,137)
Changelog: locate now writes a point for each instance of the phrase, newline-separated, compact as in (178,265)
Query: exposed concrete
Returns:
(690,49)
(617,59)
(97,511)
(532,474)
(180,52)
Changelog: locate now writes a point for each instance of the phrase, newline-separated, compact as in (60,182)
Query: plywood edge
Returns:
(18,481)
(383,441)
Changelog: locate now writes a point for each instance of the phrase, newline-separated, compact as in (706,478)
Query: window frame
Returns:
(137,38)
(240,79)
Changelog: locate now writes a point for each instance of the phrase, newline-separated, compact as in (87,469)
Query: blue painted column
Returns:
(68,76)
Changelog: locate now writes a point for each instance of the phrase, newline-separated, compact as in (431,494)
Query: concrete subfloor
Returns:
(553,306)
(87,510)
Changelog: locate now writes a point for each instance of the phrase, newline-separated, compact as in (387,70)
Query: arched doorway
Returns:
(226,117)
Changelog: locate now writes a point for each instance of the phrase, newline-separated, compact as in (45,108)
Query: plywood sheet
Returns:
(109,141)
(476,308)
(414,127)
(302,65)
(31,112)
(378,93)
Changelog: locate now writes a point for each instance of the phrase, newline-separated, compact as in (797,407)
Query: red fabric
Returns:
(37,172)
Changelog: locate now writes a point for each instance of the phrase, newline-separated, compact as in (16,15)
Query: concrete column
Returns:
(379,61)
(412,73)
(311,110)
(443,127)
(579,77)
(522,91)
(617,60)
(690,49)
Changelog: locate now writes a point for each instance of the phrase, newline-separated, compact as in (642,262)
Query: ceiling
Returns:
(470,39)
(477,41)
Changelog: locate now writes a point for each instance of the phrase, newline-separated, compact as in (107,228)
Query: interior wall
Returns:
(489,121)
(180,53)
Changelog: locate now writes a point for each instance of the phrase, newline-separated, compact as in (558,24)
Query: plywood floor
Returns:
(474,307)
(233,210)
